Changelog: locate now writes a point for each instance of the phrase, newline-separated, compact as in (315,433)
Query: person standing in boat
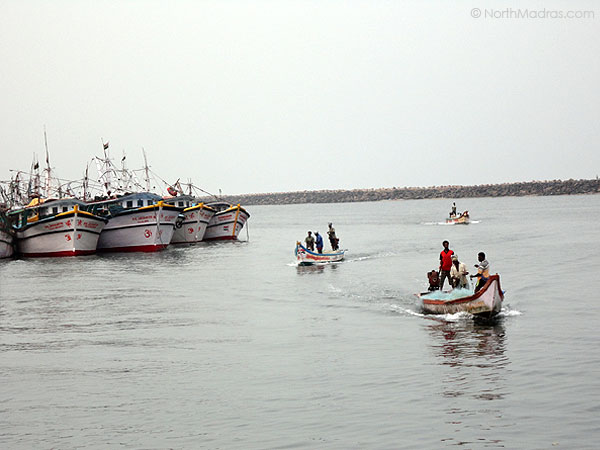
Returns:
(310,242)
(483,271)
(458,274)
(319,242)
(453,212)
(445,264)
(332,237)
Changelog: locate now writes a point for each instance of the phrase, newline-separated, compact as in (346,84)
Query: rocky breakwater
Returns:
(555,187)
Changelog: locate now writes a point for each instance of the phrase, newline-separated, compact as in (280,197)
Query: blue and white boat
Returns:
(307,257)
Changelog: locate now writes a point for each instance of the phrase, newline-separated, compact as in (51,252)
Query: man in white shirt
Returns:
(458,274)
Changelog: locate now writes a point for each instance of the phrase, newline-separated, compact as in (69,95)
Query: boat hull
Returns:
(6,244)
(145,229)
(487,302)
(72,233)
(462,219)
(306,257)
(193,226)
(226,225)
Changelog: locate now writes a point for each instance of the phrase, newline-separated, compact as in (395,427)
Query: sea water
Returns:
(231,346)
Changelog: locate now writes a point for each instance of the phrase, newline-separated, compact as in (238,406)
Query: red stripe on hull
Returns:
(222,238)
(59,254)
(136,248)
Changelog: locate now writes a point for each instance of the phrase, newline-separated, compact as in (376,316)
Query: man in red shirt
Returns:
(445,264)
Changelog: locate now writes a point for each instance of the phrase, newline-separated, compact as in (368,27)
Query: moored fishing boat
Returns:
(307,257)
(56,227)
(486,302)
(6,236)
(139,222)
(463,218)
(191,224)
(227,222)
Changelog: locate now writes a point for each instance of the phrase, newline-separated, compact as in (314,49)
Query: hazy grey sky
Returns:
(259,96)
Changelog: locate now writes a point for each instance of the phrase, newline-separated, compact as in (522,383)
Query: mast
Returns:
(104,170)
(48,169)
(33,186)
(147,179)
(124,176)
(85,183)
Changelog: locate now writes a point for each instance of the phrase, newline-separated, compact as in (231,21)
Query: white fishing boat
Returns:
(191,224)
(227,222)
(56,227)
(138,222)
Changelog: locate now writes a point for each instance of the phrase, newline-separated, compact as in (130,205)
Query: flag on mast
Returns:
(106,146)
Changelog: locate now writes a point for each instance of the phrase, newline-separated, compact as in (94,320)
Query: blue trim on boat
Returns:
(319,254)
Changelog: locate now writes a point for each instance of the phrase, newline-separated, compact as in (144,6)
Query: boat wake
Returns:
(456,317)
(366,257)
(450,224)
(356,258)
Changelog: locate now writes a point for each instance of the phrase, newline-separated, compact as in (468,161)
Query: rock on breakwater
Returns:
(555,187)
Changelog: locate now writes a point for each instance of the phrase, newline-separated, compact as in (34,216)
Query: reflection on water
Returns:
(315,268)
(475,366)
(469,342)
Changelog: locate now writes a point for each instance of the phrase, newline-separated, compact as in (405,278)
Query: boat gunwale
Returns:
(470,298)
(342,252)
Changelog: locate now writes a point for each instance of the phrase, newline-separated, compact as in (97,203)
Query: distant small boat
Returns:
(227,222)
(307,257)
(463,218)
(486,302)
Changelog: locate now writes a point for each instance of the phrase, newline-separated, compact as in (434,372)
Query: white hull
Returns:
(6,244)
(486,302)
(193,227)
(145,229)
(68,234)
(306,257)
(226,225)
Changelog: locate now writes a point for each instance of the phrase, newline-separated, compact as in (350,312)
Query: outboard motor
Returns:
(434,280)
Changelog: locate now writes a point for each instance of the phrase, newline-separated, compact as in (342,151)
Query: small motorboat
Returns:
(486,302)
(463,218)
(307,257)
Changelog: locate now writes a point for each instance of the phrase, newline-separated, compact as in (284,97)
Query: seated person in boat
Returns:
(332,237)
(458,274)
(445,264)
(319,242)
(483,271)
(310,242)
